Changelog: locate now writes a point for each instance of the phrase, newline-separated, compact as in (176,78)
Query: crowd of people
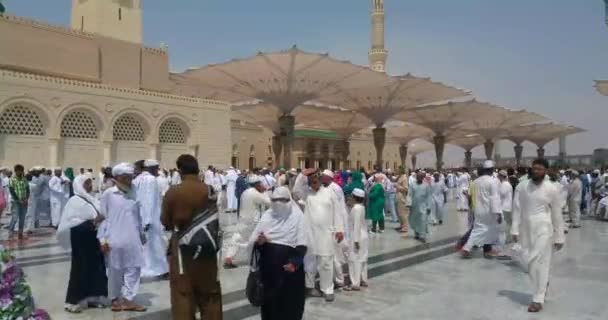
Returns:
(308,230)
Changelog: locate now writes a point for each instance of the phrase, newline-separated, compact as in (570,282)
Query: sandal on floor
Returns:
(72,308)
(131,306)
(117,306)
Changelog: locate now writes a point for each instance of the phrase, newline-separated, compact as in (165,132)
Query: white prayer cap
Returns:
(597,171)
(503,173)
(231,168)
(328,173)
(238,171)
(575,173)
(562,172)
(389,170)
(488,164)
(151,163)
(347,171)
(122,169)
(254,180)
(281,193)
(293,171)
(358,193)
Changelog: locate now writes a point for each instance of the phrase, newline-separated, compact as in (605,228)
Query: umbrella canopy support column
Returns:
(540,152)
(345,153)
(379,142)
(488,147)
(439,141)
(277,148)
(468,159)
(519,150)
(286,128)
(414,158)
(403,154)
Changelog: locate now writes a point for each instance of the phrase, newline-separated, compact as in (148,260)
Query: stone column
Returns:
(193,151)
(562,150)
(53,152)
(488,146)
(277,147)
(345,152)
(286,129)
(540,152)
(154,151)
(439,141)
(107,153)
(519,150)
(403,154)
(414,162)
(379,141)
(468,159)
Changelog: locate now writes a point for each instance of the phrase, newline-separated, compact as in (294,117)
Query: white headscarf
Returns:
(80,208)
(286,227)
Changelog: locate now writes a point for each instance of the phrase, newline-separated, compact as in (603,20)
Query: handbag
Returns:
(255,287)
(203,237)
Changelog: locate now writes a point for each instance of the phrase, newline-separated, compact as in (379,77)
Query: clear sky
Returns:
(539,55)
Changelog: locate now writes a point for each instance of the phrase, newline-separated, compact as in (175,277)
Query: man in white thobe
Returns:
(539,227)
(301,189)
(59,194)
(4,181)
(209,176)
(575,197)
(44,206)
(254,201)
(487,211)
(323,215)
(231,201)
(463,182)
(122,239)
(341,248)
(439,198)
(146,191)
(505,191)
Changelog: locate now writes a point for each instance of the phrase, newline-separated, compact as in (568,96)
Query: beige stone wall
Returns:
(250,146)
(120,19)
(201,127)
(67,53)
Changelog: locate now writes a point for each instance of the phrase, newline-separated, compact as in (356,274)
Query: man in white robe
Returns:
(358,242)
(439,198)
(254,201)
(322,213)
(341,248)
(231,201)
(209,176)
(301,189)
(147,193)
(59,195)
(463,182)
(44,206)
(487,211)
(122,239)
(575,197)
(505,191)
(4,181)
(539,227)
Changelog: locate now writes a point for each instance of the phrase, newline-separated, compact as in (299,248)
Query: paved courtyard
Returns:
(408,280)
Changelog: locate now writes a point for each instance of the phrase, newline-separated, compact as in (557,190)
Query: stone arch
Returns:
(24,116)
(88,113)
(130,125)
(235,150)
(173,130)
(252,150)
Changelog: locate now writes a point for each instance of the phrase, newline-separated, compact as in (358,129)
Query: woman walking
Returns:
(88,283)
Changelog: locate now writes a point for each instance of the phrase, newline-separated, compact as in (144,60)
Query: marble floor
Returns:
(407,280)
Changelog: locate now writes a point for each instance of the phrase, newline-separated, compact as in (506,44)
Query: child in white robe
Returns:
(359,243)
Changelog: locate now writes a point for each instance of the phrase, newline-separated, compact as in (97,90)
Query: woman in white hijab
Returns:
(281,239)
(78,230)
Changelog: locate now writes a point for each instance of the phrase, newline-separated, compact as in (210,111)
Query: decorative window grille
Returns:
(171,132)
(20,119)
(128,128)
(78,124)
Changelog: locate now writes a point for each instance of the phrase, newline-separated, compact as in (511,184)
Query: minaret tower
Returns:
(377,54)
(118,19)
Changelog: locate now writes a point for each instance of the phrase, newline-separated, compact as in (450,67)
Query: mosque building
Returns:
(92,94)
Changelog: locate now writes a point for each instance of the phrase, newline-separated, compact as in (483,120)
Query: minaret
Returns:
(113,19)
(377,54)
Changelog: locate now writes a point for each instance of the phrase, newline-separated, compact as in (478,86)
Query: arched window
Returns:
(21,119)
(128,128)
(79,124)
(171,132)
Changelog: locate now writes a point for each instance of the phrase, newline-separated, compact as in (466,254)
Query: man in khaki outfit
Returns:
(198,287)
(402,186)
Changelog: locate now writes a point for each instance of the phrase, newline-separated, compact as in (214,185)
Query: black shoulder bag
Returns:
(255,287)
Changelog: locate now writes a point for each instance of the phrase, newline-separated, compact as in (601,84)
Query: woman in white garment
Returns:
(359,243)
(281,240)
(78,229)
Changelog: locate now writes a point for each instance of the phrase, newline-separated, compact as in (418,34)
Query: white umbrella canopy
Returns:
(381,102)
(602,86)
(467,142)
(498,121)
(442,118)
(543,134)
(344,123)
(284,79)
(407,132)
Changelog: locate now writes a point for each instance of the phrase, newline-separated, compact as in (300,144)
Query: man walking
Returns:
(20,192)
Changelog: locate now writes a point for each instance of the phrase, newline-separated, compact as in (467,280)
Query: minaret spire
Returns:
(377,53)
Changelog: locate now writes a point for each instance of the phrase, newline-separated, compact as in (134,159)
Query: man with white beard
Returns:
(538,225)
(341,248)
(148,195)
(322,214)
(487,210)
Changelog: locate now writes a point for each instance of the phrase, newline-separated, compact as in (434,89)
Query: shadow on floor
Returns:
(517,297)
